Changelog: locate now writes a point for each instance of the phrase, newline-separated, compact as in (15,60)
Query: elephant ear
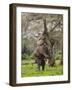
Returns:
(39,50)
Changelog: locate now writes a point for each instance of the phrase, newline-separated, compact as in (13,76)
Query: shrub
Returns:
(27,57)
(58,55)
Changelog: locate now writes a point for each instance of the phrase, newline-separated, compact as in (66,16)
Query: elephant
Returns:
(41,53)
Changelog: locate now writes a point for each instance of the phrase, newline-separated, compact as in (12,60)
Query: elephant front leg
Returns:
(43,65)
(38,64)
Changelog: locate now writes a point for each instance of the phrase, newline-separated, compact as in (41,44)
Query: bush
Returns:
(58,55)
(27,57)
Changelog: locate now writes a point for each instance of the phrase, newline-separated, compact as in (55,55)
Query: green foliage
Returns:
(58,55)
(28,45)
(27,57)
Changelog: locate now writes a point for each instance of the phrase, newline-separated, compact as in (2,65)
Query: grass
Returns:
(30,70)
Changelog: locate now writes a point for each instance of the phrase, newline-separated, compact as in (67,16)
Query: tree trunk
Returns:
(45,34)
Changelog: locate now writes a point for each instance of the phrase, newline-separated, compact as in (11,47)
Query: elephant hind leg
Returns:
(51,63)
(43,67)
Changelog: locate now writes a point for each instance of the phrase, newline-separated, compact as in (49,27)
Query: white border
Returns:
(63,77)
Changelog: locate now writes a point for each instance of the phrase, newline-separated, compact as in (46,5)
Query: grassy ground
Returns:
(28,69)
